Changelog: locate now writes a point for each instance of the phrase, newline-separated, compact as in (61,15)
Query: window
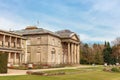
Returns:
(18,56)
(53,55)
(14,44)
(38,40)
(38,56)
(59,43)
(53,42)
(39,49)
(53,51)
(8,44)
(28,57)
(28,42)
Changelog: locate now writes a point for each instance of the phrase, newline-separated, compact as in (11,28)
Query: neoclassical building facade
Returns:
(47,47)
(40,46)
(15,45)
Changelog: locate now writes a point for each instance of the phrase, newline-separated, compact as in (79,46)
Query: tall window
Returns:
(28,57)
(38,56)
(39,49)
(8,44)
(53,55)
(53,42)
(59,43)
(38,40)
(28,42)
(14,44)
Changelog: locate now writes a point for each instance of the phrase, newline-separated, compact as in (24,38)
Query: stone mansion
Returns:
(40,46)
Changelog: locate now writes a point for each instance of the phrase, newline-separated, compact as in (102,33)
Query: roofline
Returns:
(10,32)
(13,34)
(41,34)
(72,34)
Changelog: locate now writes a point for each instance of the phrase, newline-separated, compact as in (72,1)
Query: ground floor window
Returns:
(38,57)
(53,55)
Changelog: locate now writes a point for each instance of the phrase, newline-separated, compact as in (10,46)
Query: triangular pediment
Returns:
(75,37)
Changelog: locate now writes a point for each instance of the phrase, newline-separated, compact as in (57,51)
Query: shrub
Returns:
(37,73)
(115,69)
(107,69)
(3,62)
(45,73)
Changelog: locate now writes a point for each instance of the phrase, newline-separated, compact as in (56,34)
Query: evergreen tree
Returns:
(107,54)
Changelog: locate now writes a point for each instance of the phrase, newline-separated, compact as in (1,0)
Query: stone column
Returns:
(75,53)
(14,58)
(20,57)
(24,52)
(68,52)
(78,57)
(15,45)
(9,57)
(15,42)
(71,53)
(20,43)
(3,40)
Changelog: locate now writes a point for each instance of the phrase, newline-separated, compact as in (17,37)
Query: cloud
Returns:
(88,38)
(11,24)
(7,24)
(94,20)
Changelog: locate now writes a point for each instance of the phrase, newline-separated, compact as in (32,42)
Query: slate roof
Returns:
(9,32)
(65,33)
(35,30)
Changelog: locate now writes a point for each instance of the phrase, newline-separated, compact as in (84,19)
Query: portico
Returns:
(71,50)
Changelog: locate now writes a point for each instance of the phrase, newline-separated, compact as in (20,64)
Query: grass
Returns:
(91,73)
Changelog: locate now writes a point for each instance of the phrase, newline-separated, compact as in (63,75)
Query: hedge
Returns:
(3,62)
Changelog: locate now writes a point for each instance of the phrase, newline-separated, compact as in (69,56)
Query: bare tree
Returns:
(116,49)
(116,41)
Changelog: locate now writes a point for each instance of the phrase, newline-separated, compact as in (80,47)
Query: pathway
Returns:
(12,72)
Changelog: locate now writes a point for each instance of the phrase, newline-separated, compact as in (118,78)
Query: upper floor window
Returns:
(39,49)
(8,44)
(2,43)
(28,42)
(59,43)
(53,51)
(53,41)
(38,40)
(14,44)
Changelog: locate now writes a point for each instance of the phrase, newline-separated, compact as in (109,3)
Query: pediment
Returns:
(75,37)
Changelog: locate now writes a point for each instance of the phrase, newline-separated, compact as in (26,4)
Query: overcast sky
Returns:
(93,20)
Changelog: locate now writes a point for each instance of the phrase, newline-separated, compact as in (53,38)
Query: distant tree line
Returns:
(101,53)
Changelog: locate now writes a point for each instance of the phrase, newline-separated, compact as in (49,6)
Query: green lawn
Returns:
(77,74)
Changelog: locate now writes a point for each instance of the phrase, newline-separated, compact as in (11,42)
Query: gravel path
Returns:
(12,72)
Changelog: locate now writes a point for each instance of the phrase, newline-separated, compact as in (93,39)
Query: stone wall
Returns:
(54,50)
